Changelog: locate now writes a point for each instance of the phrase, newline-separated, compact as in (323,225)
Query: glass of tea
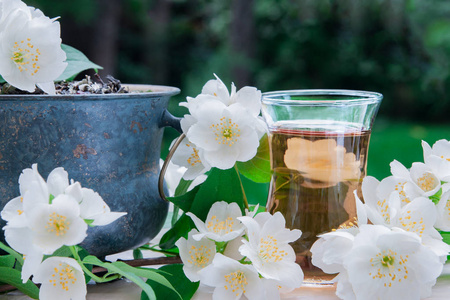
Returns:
(318,146)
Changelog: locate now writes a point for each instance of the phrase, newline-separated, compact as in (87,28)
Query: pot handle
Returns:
(166,164)
(167,119)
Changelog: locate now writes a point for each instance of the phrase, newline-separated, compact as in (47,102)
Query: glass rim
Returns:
(358,97)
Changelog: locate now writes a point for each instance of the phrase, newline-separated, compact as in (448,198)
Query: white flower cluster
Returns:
(239,255)
(46,216)
(221,128)
(30,52)
(400,254)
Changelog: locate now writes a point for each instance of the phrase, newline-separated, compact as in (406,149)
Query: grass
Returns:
(400,141)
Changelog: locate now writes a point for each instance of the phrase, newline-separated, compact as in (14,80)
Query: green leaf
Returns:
(436,197)
(77,63)
(180,229)
(221,185)
(11,251)
(445,236)
(175,275)
(2,80)
(182,187)
(63,251)
(185,201)
(137,254)
(258,168)
(7,261)
(13,277)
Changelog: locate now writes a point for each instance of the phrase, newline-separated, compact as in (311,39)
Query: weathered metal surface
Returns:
(109,143)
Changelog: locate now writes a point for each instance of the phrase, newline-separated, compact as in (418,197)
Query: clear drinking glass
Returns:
(318,145)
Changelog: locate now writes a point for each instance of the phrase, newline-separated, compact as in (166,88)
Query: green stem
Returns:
(244,261)
(175,211)
(244,197)
(11,251)
(220,246)
(181,189)
(88,272)
(152,248)
(287,182)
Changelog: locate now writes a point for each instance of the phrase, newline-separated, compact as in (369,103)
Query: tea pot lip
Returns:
(136,91)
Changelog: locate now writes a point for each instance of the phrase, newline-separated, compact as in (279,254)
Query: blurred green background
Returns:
(400,48)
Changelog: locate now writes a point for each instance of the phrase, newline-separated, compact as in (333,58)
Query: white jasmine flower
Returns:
(33,190)
(417,216)
(224,127)
(329,251)
(268,248)
(249,97)
(231,279)
(438,157)
(56,224)
(423,179)
(195,255)
(321,160)
(390,264)
(221,224)
(31,51)
(188,155)
(225,133)
(60,278)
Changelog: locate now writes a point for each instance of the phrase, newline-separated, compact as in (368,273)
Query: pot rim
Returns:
(136,91)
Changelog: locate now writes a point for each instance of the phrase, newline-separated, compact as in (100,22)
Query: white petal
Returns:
(218,89)
(47,87)
(250,98)
(57,181)
(399,170)
(13,213)
(32,260)
(106,218)
(19,238)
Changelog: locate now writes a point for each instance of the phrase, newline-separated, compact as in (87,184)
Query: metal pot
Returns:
(110,143)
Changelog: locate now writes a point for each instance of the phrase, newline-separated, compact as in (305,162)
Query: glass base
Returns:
(314,276)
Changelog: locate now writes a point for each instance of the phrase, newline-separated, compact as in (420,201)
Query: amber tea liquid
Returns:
(316,167)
